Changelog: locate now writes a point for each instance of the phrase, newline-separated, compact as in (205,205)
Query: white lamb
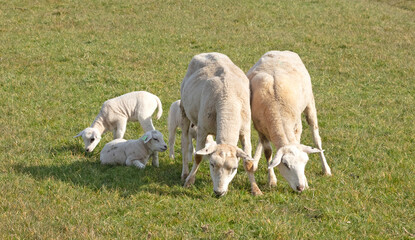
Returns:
(133,152)
(175,121)
(215,96)
(114,114)
(280,92)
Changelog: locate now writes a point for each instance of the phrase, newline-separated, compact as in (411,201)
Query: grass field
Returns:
(60,60)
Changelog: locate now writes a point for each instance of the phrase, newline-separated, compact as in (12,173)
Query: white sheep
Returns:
(114,114)
(133,152)
(215,97)
(174,122)
(280,92)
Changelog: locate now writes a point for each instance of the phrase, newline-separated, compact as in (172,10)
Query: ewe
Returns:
(215,97)
(133,152)
(280,92)
(114,114)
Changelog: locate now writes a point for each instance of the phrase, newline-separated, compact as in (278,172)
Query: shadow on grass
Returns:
(164,180)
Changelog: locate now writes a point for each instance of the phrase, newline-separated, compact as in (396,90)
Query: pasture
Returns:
(60,60)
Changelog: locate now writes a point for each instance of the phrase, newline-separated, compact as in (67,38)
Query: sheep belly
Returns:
(113,153)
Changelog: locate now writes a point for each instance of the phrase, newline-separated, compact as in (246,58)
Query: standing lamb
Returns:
(215,96)
(280,92)
(114,114)
(174,121)
(133,152)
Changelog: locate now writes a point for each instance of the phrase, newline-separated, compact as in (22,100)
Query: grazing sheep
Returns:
(114,114)
(280,92)
(174,121)
(215,97)
(133,152)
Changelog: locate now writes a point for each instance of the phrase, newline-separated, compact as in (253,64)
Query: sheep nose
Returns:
(87,150)
(300,188)
(219,193)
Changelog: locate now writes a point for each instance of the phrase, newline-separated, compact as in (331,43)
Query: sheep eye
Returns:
(92,139)
(155,139)
(233,170)
(285,164)
(212,165)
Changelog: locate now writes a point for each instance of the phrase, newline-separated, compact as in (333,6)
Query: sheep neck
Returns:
(146,148)
(99,124)
(281,127)
(227,125)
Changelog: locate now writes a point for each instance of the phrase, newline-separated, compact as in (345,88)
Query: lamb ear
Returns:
(147,137)
(208,149)
(79,134)
(277,159)
(241,154)
(308,149)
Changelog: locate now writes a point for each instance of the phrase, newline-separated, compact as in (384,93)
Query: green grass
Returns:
(60,60)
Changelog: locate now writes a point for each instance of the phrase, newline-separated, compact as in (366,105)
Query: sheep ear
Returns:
(241,154)
(277,159)
(308,149)
(208,149)
(147,137)
(79,134)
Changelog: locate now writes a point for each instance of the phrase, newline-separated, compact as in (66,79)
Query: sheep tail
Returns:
(160,108)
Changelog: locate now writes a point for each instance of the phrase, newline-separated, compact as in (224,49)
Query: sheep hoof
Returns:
(256,191)
(327,173)
(184,176)
(272,184)
(189,182)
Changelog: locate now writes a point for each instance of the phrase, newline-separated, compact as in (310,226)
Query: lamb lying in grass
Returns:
(133,152)
(114,114)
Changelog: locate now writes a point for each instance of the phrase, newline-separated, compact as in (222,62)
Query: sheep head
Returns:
(91,137)
(154,140)
(291,161)
(223,159)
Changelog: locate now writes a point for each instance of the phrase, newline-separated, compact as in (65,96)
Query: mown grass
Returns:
(59,60)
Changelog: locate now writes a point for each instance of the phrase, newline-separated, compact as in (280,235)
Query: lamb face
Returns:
(223,159)
(91,137)
(154,140)
(291,161)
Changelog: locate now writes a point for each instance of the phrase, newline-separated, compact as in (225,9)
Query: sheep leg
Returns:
(298,129)
(200,143)
(311,116)
(155,159)
(185,124)
(272,179)
(119,131)
(190,180)
(190,148)
(146,123)
(134,162)
(245,139)
(250,169)
(254,186)
(172,136)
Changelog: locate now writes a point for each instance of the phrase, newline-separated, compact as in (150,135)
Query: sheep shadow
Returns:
(128,181)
